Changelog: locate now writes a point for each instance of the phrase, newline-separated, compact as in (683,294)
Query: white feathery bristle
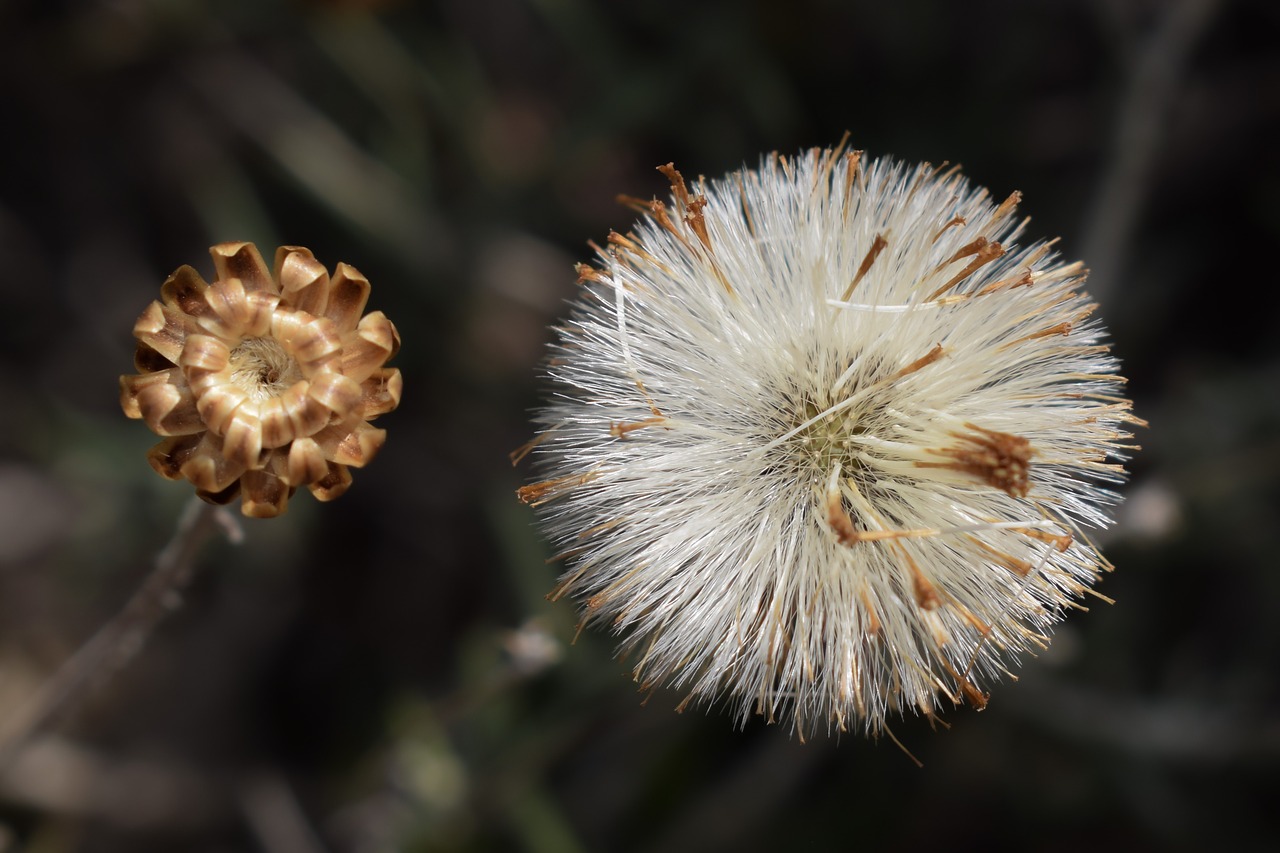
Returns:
(823,440)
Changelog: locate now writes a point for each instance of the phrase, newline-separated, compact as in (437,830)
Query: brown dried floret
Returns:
(999,459)
(263,380)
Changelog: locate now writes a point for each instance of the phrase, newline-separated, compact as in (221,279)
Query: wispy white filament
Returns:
(822,440)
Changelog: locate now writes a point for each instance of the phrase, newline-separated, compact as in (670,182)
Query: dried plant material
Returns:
(823,440)
(262,381)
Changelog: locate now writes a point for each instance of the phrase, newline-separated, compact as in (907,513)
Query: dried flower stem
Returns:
(116,643)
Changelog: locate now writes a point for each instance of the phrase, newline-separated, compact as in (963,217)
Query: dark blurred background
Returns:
(383,673)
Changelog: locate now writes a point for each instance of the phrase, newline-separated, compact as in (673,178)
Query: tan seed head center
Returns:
(263,368)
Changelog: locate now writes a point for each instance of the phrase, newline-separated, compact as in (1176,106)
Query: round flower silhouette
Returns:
(261,382)
(822,440)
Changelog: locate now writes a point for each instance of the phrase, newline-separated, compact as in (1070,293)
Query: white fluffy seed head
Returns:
(822,440)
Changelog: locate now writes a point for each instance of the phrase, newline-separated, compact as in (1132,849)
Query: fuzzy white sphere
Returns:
(822,440)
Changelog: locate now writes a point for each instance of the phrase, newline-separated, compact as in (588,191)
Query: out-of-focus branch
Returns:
(320,155)
(1155,77)
(276,817)
(54,775)
(119,640)
(1191,730)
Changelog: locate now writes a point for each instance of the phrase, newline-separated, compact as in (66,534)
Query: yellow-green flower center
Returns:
(827,439)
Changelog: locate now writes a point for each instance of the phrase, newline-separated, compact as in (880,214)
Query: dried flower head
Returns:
(822,440)
(263,382)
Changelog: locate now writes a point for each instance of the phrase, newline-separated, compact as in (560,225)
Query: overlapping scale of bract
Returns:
(264,380)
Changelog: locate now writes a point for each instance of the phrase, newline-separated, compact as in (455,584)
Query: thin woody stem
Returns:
(117,642)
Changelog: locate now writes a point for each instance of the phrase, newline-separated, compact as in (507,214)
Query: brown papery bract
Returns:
(263,381)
